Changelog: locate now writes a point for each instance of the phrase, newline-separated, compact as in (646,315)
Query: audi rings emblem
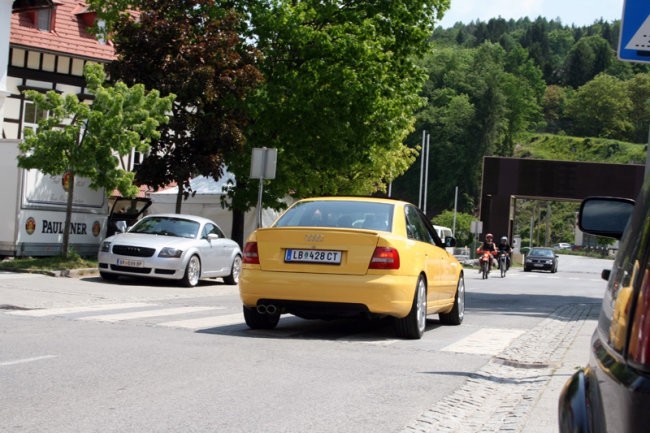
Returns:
(314,237)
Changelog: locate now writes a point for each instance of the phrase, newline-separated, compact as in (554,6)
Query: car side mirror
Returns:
(605,216)
(212,236)
(121,226)
(450,241)
(605,274)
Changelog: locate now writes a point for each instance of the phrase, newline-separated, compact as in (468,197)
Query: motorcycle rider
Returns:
(505,248)
(488,245)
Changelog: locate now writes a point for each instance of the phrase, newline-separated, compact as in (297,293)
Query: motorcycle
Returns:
(503,263)
(484,261)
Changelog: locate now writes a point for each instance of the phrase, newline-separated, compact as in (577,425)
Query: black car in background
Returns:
(612,393)
(540,259)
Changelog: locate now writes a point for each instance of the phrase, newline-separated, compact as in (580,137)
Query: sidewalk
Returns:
(517,391)
(543,418)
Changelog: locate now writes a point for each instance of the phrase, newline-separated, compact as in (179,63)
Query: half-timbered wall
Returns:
(29,69)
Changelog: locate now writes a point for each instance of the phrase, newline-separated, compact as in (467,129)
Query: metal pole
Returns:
(647,158)
(424,133)
(453,225)
(426,176)
(261,188)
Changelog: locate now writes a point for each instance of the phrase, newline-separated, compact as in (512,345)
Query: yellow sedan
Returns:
(335,257)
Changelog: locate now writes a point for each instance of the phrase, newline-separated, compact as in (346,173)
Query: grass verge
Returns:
(42,264)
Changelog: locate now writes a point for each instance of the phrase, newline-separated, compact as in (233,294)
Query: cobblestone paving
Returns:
(499,396)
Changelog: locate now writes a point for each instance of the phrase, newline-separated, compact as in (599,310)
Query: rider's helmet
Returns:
(489,237)
(504,239)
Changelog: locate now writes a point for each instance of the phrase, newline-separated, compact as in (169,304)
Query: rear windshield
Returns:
(347,214)
(541,252)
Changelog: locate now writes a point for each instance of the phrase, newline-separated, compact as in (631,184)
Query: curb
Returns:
(67,273)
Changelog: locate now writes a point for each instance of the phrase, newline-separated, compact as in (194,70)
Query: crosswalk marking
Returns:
(206,322)
(26,360)
(84,309)
(146,314)
(485,341)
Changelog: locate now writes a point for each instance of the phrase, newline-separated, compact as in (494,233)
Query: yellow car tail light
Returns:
(384,258)
(250,253)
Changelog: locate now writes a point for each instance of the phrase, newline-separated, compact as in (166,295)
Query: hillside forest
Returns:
(532,89)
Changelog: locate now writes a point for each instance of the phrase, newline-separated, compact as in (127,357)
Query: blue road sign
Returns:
(634,44)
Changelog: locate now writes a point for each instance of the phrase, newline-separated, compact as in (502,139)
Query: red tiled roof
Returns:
(68,34)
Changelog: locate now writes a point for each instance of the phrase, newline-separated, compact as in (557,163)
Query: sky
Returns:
(578,12)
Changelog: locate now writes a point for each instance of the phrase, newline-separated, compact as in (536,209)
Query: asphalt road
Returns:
(81,355)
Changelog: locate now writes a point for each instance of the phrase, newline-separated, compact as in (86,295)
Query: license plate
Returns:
(313,256)
(539,265)
(130,263)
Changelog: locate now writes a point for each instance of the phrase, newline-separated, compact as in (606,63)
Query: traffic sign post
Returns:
(263,163)
(634,43)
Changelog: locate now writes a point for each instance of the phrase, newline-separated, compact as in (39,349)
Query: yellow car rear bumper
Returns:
(382,294)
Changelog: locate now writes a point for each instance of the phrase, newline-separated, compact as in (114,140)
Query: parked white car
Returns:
(180,247)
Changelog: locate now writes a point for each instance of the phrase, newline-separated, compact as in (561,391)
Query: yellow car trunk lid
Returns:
(316,250)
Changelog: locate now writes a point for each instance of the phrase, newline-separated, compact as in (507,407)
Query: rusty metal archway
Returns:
(507,178)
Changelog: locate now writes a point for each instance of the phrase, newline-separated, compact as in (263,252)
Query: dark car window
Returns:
(541,252)
(166,226)
(624,321)
(416,227)
(339,213)
(212,229)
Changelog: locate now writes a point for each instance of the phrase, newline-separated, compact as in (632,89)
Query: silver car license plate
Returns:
(131,263)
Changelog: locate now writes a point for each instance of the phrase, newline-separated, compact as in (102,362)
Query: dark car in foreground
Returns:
(541,259)
(612,393)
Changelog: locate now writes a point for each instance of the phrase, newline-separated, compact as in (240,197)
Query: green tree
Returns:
(588,57)
(195,50)
(477,101)
(554,106)
(462,233)
(80,139)
(340,90)
(601,108)
(639,91)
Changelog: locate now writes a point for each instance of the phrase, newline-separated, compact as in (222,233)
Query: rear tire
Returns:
(412,326)
(457,313)
(192,272)
(255,320)
(235,270)
(485,266)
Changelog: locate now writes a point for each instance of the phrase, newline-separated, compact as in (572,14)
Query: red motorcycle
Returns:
(485,261)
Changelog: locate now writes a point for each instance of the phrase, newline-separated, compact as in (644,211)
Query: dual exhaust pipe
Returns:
(267,309)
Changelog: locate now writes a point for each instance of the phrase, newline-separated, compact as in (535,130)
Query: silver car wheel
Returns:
(421,303)
(193,271)
(461,298)
(235,271)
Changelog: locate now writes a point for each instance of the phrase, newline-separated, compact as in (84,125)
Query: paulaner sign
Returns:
(57,227)
(42,231)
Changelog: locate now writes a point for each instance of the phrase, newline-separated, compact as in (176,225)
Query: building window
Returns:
(44,19)
(32,115)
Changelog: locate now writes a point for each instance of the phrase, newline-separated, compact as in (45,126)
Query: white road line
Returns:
(145,314)
(26,360)
(206,322)
(487,341)
(72,310)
